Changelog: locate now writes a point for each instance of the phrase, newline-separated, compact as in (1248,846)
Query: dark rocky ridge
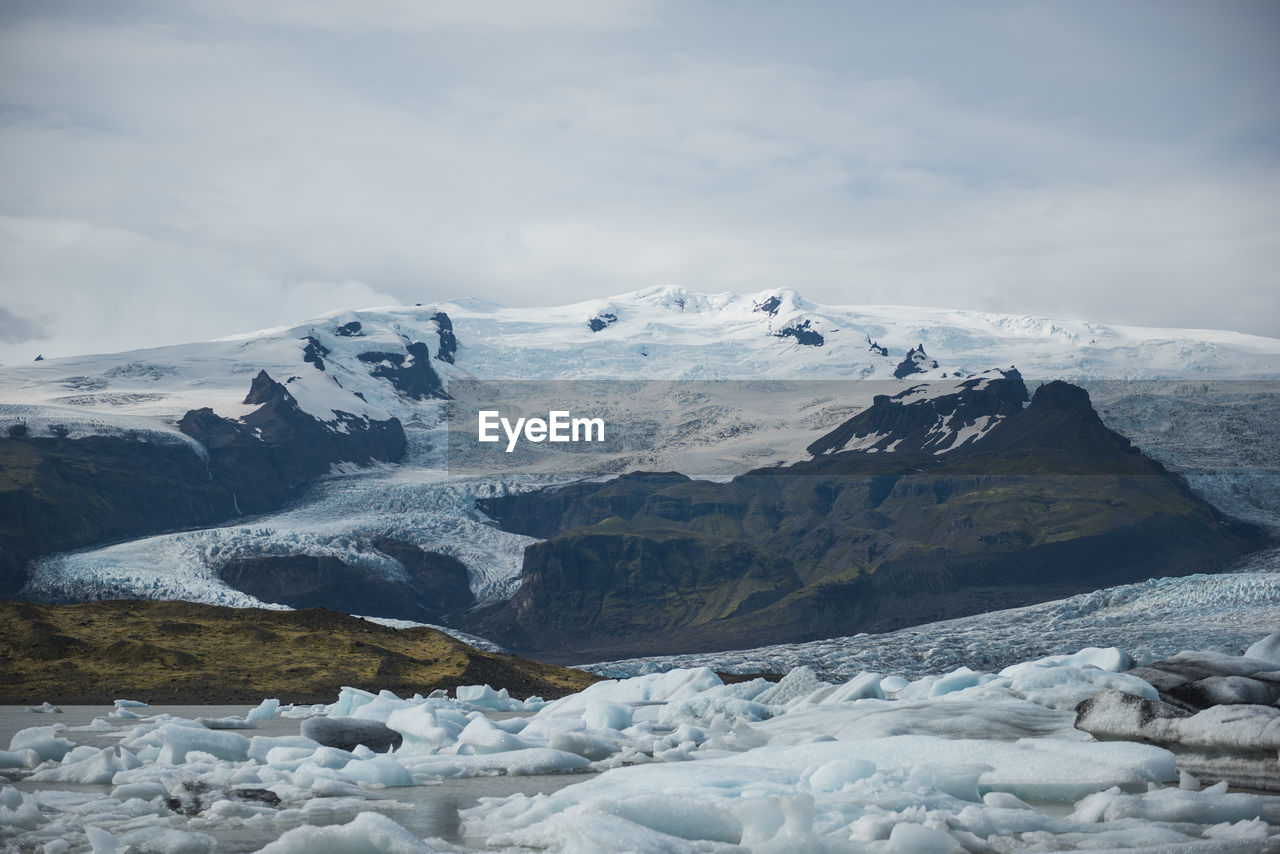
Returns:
(1049,503)
(60,493)
(413,377)
(916,362)
(434,585)
(803,332)
(448,341)
(913,426)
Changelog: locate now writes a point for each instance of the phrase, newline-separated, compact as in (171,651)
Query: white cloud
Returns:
(440,150)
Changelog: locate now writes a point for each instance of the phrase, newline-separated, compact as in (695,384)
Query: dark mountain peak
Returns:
(769,306)
(874,347)
(1063,395)
(448,341)
(931,417)
(266,390)
(916,362)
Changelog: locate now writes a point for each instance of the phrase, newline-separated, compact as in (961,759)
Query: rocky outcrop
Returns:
(59,493)
(916,362)
(432,585)
(927,417)
(602,321)
(314,352)
(262,457)
(410,373)
(448,341)
(803,333)
(1047,503)
(769,305)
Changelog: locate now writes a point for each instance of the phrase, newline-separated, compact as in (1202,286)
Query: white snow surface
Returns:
(971,760)
(1204,405)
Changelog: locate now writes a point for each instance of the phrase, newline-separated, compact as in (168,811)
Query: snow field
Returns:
(674,761)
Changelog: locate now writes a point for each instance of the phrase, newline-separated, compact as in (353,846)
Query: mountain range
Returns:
(308,466)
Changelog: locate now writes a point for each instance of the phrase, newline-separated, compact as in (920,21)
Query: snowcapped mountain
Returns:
(351,370)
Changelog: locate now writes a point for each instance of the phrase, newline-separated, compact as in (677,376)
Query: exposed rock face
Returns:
(61,493)
(58,494)
(601,321)
(448,341)
(433,584)
(874,347)
(916,362)
(803,332)
(1048,503)
(264,456)
(350,330)
(769,306)
(917,419)
(314,352)
(413,377)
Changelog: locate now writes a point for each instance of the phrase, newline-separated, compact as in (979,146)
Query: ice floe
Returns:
(1065,752)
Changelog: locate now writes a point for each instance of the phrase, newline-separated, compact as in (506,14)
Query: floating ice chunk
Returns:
(165,840)
(101,841)
(530,761)
(381,771)
(602,714)
(228,722)
(1210,806)
(261,745)
(1267,649)
(800,682)
(1065,686)
(1112,659)
(177,741)
(130,704)
(349,699)
(425,729)
(484,697)
(835,775)
(1117,715)
(649,689)
(98,768)
(264,711)
(45,708)
(906,838)
(44,740)
(369,833)
(24,758)
(483,737)
(893,684)
(346,733)
(18,810)
(863,686)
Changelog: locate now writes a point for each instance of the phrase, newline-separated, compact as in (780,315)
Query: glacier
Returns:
(1203,402)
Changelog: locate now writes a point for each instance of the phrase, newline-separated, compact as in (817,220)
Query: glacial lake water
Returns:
(429,810)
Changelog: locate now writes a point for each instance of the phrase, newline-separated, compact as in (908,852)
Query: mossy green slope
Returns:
(180,652)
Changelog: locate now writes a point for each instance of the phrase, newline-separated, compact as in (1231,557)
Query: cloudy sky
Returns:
(182,169)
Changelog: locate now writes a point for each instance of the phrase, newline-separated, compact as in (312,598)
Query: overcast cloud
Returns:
(174,170)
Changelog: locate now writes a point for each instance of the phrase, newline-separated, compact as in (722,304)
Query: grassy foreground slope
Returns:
(180,652)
